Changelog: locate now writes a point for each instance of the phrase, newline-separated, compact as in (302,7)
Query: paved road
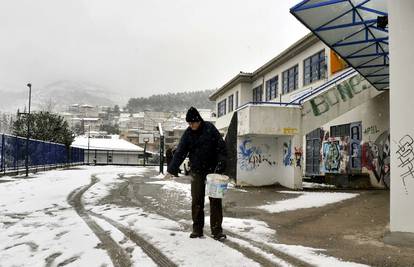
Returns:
(351,230)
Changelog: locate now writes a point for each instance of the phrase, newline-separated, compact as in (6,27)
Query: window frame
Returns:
(221,108)
(314,68)
(290,82)
(231,103)
(257,93)
(271,92)
(340,130)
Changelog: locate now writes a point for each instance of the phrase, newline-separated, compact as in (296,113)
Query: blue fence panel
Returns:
(13,151)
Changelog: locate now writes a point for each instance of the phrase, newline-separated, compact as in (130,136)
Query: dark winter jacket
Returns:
(205,148)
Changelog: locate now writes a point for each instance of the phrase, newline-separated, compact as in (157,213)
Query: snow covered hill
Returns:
(60,95)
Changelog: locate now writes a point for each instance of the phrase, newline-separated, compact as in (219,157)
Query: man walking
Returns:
(207,153)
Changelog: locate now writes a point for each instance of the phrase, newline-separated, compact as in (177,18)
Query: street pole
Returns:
(28,130)
(161,148)
(145,150)
(89,136)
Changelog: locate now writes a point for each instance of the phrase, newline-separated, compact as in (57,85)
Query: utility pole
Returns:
(28,131)
(89,137)
(146,140)
(161,147)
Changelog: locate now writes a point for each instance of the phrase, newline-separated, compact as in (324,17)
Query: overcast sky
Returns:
(140,48)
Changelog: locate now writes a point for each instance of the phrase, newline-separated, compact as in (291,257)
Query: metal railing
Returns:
(325,86)
(13,151)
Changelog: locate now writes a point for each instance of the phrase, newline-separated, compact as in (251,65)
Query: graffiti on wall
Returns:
(376,158)
(288,160)
(405,156)
(355,147)
(371,130)
(342,93)
(250,157)
(335,156)
(355,157)
(298,157)
(287,153)
(331,156)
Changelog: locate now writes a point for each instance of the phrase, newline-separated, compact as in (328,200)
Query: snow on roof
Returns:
(65,114)
(86,106)
(138,115)
(105,144)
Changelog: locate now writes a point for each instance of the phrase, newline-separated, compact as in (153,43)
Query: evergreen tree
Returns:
(171,102)
(45,126)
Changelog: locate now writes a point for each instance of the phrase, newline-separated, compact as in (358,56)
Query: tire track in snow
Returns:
(116,253)
(248,252)
(147,247)
(118,256)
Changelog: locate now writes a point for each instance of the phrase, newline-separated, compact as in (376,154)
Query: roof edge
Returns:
(240,77)
(303,43)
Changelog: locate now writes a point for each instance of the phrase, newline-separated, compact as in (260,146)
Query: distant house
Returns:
(109,150)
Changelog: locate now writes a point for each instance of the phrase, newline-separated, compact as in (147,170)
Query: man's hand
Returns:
(168,176)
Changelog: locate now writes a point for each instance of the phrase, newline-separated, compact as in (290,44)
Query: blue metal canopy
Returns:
(351,29)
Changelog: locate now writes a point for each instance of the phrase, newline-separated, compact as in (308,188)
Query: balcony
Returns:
(269,118)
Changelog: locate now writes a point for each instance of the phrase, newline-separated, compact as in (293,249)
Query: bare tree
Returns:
(6,123)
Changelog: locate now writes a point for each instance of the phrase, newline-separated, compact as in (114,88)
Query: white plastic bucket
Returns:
(216,185)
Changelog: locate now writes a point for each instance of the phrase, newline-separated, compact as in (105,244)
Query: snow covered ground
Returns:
(40,226)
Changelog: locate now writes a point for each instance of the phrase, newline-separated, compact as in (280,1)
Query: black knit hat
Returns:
(193,115)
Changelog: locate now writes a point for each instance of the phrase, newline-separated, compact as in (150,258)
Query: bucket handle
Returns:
(215,169)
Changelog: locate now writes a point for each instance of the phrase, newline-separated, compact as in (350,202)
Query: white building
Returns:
(305,113)
(109,150)
(359,32)
(131,121)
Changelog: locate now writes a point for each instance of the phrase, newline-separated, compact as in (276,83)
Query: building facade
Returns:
(305,113)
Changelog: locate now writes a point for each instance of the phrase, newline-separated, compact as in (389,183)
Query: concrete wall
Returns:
(269,120)
(266,161)
(374,147)
(401,115)
(257,161)
(246,94)
(337,101)
(223,122)
(118,157)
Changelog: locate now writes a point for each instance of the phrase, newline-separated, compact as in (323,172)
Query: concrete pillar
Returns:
(401,25)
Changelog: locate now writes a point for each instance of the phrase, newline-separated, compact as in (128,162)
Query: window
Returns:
(237,99)
(231,107)
(221,108)
(340,130)
(257,93)
(290,79)
(271,88)
(314,68)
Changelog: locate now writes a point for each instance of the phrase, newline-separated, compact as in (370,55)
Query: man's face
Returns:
(194,125)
